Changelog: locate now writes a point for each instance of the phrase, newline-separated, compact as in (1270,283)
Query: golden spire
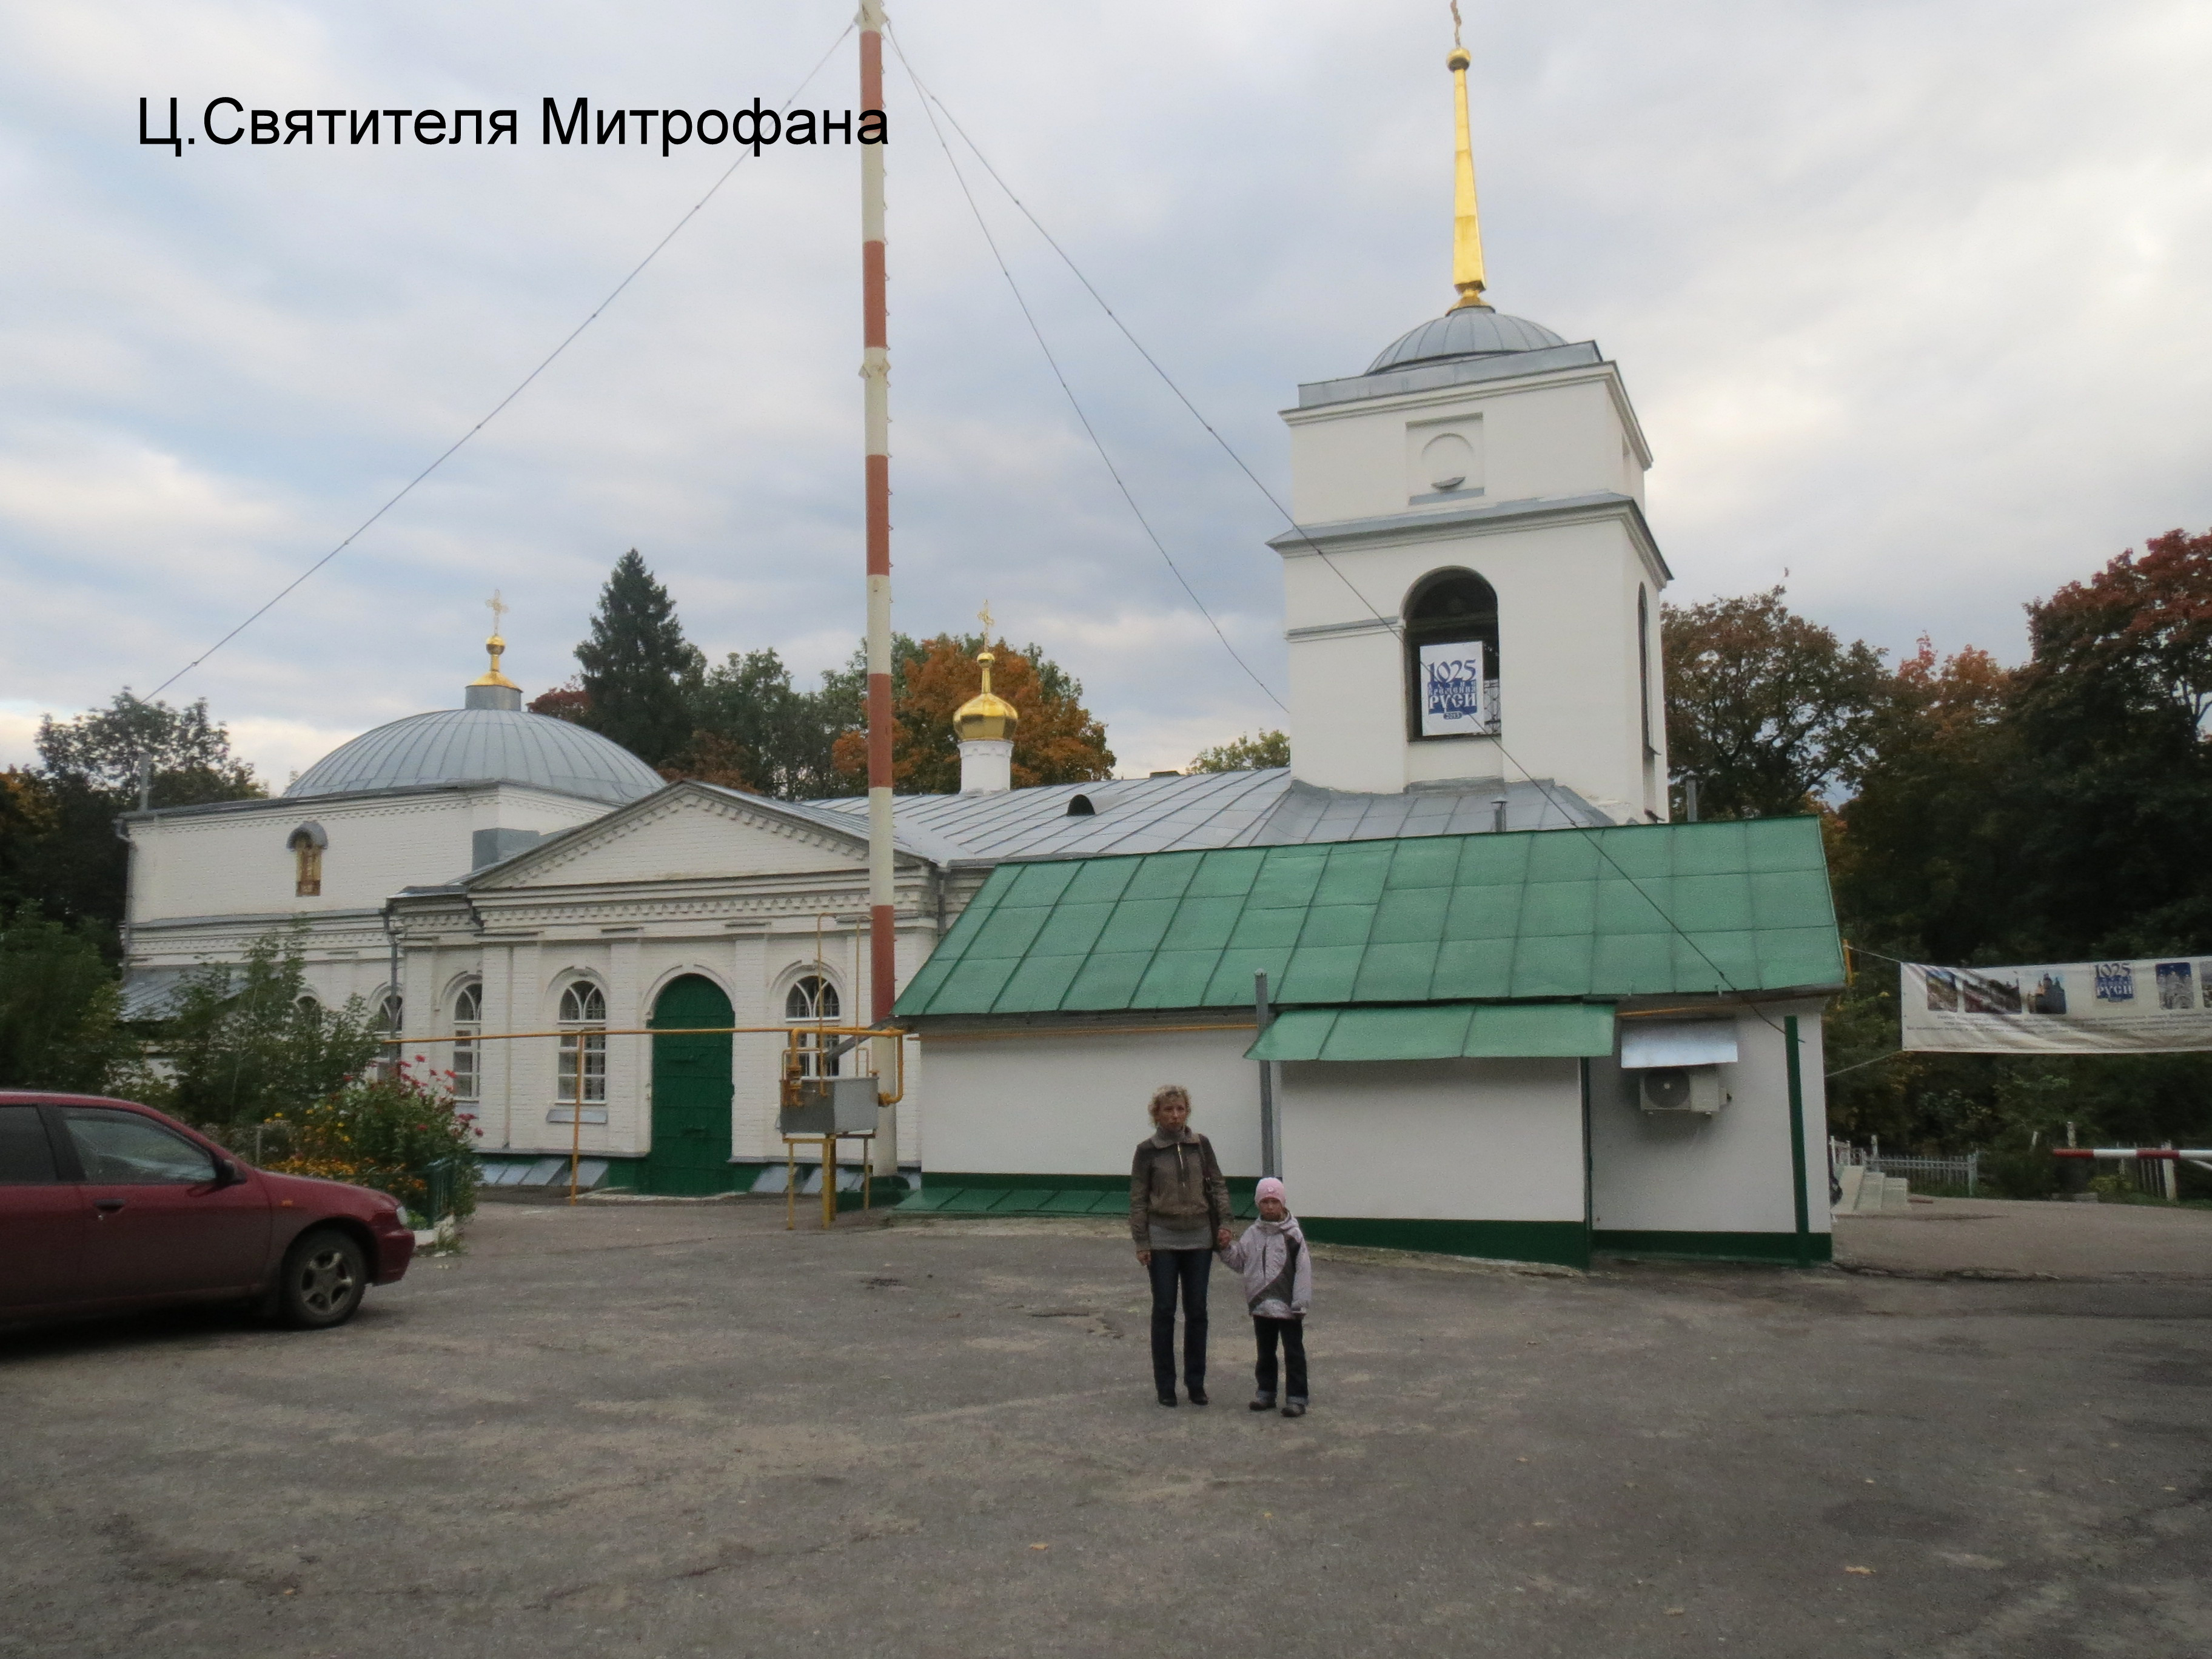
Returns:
(1467,224)
(986,715)
(495,645)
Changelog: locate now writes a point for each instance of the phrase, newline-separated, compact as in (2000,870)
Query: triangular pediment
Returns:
(685,832)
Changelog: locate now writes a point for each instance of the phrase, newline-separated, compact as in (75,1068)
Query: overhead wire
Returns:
(1074,403)
(1392,625)
(521,386)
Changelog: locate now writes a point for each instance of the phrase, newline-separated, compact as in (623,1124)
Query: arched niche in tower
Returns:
(1452,655)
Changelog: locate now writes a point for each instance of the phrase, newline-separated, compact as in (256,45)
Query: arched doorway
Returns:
(691,1090)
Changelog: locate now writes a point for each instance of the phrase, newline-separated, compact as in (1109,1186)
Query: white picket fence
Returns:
(1923,1171)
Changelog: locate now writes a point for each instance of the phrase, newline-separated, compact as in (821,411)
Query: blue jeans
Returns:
(1189,1270)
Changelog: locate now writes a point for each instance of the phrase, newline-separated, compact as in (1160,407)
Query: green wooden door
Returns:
(691,1093)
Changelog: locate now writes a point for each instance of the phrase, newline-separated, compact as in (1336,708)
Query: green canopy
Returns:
(1440,1030)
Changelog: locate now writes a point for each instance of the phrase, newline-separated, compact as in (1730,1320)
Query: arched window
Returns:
(390,1013)
(307,844)
(812,1000)
(1451,656)
(583,1033)
(468,1020)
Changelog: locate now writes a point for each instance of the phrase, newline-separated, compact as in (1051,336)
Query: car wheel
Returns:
(322,1281)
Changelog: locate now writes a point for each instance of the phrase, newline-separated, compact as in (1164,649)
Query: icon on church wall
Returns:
(1451,689)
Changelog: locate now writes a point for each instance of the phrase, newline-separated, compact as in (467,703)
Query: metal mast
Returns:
(875,373)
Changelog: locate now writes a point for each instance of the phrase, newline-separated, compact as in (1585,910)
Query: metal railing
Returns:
(1965,1171)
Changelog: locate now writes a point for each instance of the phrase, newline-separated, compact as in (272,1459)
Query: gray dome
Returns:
(482,745)
(1465,332)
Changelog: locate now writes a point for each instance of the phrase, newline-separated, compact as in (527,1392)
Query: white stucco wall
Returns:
(1572,694)
(1570,681)
(1435,1139)
(1544,435)
(235,862)
(1680,1172)
(1075,1104)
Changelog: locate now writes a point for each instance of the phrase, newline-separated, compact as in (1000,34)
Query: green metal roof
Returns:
(1633,910)
(1439,1031)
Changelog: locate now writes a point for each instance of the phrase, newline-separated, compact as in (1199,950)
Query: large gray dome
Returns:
(1465,332)
(482,745)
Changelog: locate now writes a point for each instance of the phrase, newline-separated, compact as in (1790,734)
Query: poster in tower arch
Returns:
(2160,1005)
(1451,689)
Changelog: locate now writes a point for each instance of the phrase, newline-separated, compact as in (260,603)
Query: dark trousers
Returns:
(1292,1332)
(1188,1269)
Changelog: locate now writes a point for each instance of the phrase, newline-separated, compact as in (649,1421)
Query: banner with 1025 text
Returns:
(2157,1006)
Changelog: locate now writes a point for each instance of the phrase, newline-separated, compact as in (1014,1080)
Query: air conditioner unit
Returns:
(1681,1088)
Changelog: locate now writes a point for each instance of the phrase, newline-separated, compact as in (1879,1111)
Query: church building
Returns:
(1451,973)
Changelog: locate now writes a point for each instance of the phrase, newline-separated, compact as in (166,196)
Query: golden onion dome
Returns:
(985,716)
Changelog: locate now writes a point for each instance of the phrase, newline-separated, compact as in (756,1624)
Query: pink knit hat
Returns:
(1271,1187)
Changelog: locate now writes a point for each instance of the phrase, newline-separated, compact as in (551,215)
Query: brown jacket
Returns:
(1178,1182)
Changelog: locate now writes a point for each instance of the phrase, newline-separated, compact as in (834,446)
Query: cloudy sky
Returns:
(1913,300)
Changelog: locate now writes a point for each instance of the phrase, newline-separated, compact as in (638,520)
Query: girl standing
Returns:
(1278,1271)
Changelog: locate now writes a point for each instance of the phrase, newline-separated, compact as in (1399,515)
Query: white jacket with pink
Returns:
(1277,1268)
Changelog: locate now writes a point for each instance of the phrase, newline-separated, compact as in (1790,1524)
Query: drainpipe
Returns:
(1797,1143)
(392,944)
(1271,1131)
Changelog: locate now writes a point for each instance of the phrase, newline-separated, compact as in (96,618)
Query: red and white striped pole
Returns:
(875,374)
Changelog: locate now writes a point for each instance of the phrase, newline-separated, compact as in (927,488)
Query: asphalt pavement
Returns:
(677,1430)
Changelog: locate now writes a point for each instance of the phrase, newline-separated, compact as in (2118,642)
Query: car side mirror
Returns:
(226,1173)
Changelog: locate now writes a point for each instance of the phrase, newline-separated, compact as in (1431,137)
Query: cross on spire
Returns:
(984,616)
(495,645)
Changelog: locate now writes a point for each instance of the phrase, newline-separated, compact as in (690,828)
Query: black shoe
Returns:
(1198,1397)
(1168,1398)
(1262,1402)
(1294,1408)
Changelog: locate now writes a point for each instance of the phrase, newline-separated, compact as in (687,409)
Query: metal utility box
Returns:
(829,1106)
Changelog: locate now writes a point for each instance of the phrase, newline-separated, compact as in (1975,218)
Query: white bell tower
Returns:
(1472,592)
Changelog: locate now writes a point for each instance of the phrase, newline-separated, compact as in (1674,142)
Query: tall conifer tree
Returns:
(639,670)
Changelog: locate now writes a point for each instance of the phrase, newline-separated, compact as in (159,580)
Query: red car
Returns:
(106,1205)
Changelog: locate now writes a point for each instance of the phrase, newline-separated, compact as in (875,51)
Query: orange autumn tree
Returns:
(1057,740)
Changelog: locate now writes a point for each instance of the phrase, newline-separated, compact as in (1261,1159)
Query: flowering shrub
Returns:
(399,1135)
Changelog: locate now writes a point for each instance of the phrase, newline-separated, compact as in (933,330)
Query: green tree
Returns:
(1925,865)
(59,1007)
(1245,753)
(753,729)
(2108,821)
(57,841)
(247,1041)
(1768,711)
(640,673)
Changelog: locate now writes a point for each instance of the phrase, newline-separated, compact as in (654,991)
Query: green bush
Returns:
(247,1043)
(2021,1172)
(394,1133)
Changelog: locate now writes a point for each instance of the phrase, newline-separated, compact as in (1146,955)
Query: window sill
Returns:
(567,1114)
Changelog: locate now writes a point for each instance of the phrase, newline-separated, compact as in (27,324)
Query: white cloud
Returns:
(1909,298)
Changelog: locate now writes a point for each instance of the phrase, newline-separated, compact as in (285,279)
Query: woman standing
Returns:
(1178,1215)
